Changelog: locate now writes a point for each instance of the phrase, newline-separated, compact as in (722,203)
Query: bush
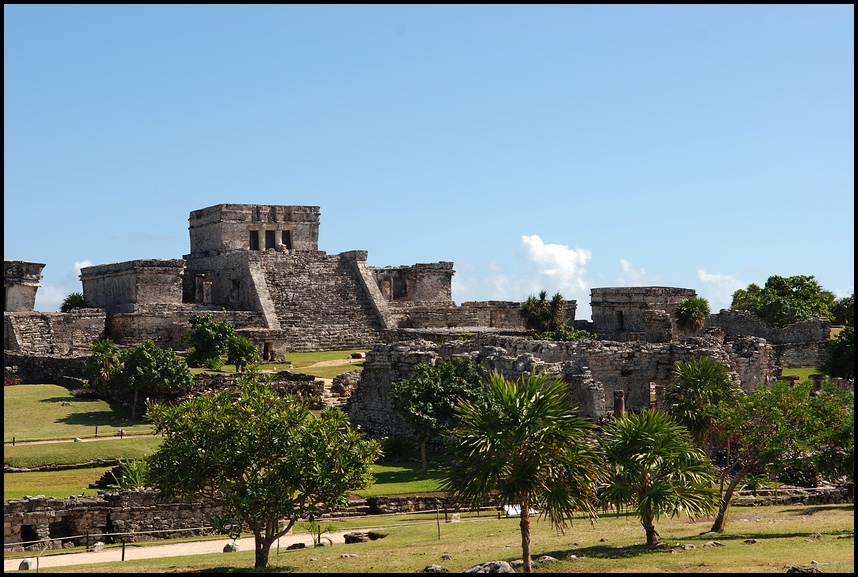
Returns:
(841,360)
(208,338)
(73,301)
(397,447)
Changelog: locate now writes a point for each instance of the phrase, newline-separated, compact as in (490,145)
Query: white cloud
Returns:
(49,298)
(556,265)
(720,288)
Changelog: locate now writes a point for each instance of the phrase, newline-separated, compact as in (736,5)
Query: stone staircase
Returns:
(357,508)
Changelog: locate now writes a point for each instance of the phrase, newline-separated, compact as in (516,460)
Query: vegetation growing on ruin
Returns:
(73,301)
(690,314)
(786,300)
(545,320)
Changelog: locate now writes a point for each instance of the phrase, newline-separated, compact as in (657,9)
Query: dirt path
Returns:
(173,550)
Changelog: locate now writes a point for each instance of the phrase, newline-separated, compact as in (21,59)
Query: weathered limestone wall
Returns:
(593,369)
(53,333)
(423,282)
(321,302)
(56,521)
(619,310)
(225,228)
(505,314)
(20,283)
(31,369)
(801,344)
(120,287)
(167,325)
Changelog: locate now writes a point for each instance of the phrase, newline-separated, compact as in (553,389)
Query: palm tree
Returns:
(73,301)
(691,313)
(541,315)
(104,364)
(698,386)
(524,440)
(655,470)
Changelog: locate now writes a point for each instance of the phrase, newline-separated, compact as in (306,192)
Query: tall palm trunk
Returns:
(524,525)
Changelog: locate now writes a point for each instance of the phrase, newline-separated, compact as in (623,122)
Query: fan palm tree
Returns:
(524,440)
(691,313)
(655,470)
(104,364)
(698,386)
(541,315)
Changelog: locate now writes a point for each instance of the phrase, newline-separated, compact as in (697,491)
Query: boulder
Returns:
(230,547)
(491,567)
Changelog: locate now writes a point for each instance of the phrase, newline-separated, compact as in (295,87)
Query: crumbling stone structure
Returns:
(260,266)
(594,370)
(20,283)
(636,313)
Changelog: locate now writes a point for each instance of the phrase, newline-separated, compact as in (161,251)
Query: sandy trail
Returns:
(173,550)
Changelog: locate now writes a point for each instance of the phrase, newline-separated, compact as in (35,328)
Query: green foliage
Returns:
(104,365)
(73,301)
(149,369)
(841,358)
(783,301)
(396,447)
(241,352)
(208,338)
(831,418)
(690,314)
(317,530)
(541,315)
(776,428)
(563,333)
(214,363)
(655,470)
(525,441)
(427,401)
(697,388)
(135,473)
(844,311)
(262,457)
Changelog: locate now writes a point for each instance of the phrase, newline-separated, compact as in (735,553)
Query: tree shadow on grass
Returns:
(73,400)
(269,569)
(404,476)
(100,419)
(606,551)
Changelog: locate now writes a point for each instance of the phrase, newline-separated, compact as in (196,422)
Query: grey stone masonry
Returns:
(120,287)
(620,311)
(20,283)
(594,370)
(53,333)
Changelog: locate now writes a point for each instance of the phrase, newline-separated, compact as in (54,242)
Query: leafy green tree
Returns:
(697,388)
(241,351)
(832,414)
(524,440)
(426,401)
(149,369)
(104,365)
(783,301)
(73,301)
(767,430)
(690,314)
(541,315)
(844,311)
(209,338)
(655,470)
(841,358)
(263,458)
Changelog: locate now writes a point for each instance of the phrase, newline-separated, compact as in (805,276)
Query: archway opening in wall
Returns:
(269,239)
(60,531)
(267,351)
(620,321)
(28,534)
(287,239)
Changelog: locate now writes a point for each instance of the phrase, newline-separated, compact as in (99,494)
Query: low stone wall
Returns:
(29,369)
(38,333)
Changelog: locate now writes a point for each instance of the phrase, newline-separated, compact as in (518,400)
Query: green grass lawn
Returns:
(36,412)
(803,373)
(611,544)
(68,452)
(301,363)
(59,484)
(402,478)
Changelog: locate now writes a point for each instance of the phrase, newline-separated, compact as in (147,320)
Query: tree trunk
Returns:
(718,526)
(423,455)
(262,549)
(524,525)
(649,527)
(134,405)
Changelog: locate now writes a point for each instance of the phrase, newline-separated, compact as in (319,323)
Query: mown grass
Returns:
(68,453)
(59,484)
(36,413)
(611,544)
(403,478)
(301,363)
(803,373)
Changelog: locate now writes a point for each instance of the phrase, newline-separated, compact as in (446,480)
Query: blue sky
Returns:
(548,147)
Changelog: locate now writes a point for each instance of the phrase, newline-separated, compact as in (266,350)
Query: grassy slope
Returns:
(36,412)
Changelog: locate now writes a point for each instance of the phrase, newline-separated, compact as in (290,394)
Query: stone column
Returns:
(619,404)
